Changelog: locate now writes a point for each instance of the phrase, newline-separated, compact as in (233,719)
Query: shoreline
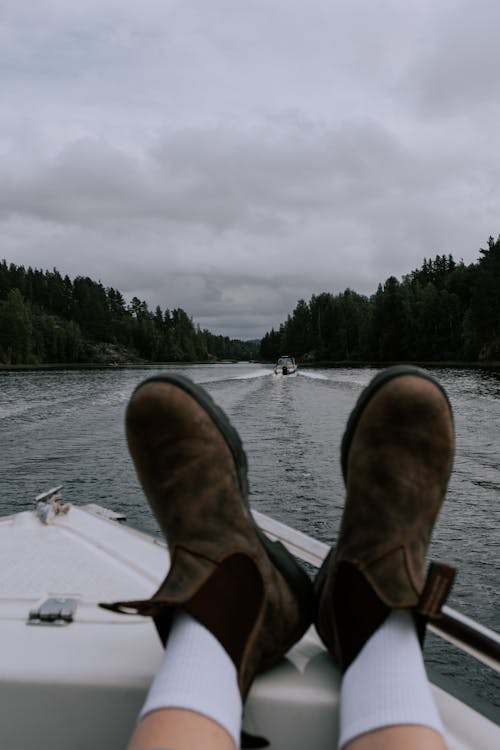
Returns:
(449,364)
(108,366)
(322,364)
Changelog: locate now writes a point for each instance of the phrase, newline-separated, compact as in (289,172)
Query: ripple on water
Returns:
(68,427)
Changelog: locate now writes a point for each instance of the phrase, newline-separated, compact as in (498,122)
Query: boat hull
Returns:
(82,684)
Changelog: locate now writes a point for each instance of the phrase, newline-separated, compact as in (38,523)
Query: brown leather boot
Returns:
(397,455)
(248,591)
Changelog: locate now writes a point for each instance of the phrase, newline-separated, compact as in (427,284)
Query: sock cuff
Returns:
(387,684)
(197,675)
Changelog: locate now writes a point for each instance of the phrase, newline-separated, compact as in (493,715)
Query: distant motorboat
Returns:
(285,366)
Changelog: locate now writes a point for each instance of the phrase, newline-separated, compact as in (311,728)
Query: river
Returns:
(66,426)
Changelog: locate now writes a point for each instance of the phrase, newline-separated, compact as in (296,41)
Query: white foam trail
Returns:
(254,374)
(313,375)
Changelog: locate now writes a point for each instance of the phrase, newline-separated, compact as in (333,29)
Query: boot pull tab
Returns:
(436,589)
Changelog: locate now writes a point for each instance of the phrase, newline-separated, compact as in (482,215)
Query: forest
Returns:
(45,318)
(445,311)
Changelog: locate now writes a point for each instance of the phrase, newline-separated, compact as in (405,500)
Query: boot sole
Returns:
(296,578)
(383,377)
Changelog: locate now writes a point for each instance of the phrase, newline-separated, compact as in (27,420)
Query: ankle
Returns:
(386,685)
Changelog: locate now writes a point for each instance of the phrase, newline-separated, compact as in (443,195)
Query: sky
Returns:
(231,157)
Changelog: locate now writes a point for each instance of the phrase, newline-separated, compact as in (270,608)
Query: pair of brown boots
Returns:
(250,592)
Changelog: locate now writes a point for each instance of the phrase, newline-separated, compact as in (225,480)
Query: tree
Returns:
(270,346)
(298,330)
(484,316)
(91,308)
(390,321)
(16,329)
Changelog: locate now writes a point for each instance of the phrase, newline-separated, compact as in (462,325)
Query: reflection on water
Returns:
(67,426)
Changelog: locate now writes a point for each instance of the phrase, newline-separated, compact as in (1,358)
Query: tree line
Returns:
(443,311)
(48,318)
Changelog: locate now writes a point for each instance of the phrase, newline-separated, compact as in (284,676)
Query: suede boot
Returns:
(397,455)
(248,591)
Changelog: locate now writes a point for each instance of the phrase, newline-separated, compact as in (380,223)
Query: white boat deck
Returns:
(80,685)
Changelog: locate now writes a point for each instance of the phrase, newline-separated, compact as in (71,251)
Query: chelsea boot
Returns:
(397,454)
(248,591)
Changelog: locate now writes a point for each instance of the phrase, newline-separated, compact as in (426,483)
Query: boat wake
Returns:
(252,375)
(312,375)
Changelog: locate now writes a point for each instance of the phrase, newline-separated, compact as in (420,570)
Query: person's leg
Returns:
(372,602)
(177,729)
(194,698)
(385,687)
(233,602)
(406,737)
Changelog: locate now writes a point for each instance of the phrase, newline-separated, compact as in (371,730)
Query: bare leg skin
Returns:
(179,729)
(386,699)
(404,737)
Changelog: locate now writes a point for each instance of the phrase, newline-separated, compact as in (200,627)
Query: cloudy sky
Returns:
(233,156)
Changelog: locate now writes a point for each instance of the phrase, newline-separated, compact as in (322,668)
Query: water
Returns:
(67,427)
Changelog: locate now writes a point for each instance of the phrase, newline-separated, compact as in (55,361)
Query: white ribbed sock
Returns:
(387,684)
(197,674)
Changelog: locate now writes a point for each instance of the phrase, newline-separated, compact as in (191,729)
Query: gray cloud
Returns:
(458,75)
(232,160)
